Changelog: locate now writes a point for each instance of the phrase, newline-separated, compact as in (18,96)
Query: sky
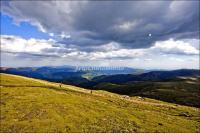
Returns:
(138,34)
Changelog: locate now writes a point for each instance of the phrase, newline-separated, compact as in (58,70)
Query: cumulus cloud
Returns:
(118,54)
(112,50)
(175,47)
(16,51)
(45,48)
(32,47)
(128,23)
(18,44)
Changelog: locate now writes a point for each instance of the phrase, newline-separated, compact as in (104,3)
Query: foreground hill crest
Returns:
(40,106)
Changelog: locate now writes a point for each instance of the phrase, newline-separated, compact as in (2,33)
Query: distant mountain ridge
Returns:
(148,76)
(102,70)
(59,73)
(87,77)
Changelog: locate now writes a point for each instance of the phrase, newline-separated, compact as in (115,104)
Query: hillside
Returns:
(39,106)
(183,90)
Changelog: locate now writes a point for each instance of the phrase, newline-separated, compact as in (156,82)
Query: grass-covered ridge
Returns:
(181,90)
(40,106)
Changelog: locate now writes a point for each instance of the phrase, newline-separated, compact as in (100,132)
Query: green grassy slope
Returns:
(183,90)
(30,105)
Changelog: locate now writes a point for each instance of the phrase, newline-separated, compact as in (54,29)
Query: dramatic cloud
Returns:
(157,34)
(18,44)
(45,48)
(86,23)
(33,47)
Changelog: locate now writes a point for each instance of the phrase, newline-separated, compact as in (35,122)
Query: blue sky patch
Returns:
(24,29)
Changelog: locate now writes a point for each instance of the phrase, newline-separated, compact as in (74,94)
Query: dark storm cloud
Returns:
(130,23)
(95,23)
(82,43)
